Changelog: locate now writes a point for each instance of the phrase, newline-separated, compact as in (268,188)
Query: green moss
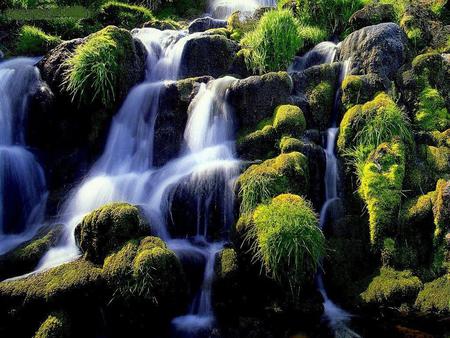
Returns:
(218,31)
(436,158)
(432,113)
(352,90)
(259,144)
(285,173)
(290,144)
(435,296)
(417,208)
(288,240)
(226,263)
(164,24)
(108,228)
(321,101)
(55,326)
(124,15)
(98,66)
(381,188)
(289,121)
(75,279)
(34,41)
(392,288)
(388,252)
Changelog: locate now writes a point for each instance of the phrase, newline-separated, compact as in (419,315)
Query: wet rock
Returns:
(208,55)
(203,24)
(162,24)
(381,49)
(372,14)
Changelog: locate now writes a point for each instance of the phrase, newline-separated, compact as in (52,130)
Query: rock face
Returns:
(379,49)
(203,24)
(208,55)
(372,14)
(256,97)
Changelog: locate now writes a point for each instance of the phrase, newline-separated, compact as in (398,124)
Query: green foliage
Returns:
(55,326)
(288,240)
(289,121)
(321,101)
(432,113)
(274,42)
(34,41)
(388,252)
(180,8)
(289,144)
(97,66)
(312,35)
(392,288)
(285,173)
(124,15)
(435,296)
(226,263)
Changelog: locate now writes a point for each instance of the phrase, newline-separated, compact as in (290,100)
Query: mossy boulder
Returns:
(34,41)
(258,144)
(381,188)
(55,326)
(432,113)
(289,121)
(321,101)
(107,228)
(285,173)
(392,288)
(123,15)
(372,14)
(435,297)
(163,24)
(26,256)
(358,89)
(205,23)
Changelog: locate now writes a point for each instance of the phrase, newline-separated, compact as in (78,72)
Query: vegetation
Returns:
(34,41)
(435,296)
(432,113)
(124,15)
(274,42)
(288,240)
(289,121)
(55,326)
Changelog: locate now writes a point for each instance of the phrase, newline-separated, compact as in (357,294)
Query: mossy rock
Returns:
(218,31)
(55,326)
(34,41)
(26,256)
(381,189)
(392,288)
(435,297)
(432,113)
(358,89)
(290,144)
(321,102)
(163,24)
(285,173)
(259,144)
(123,15)
(289,121)
(107,228)
(372,14)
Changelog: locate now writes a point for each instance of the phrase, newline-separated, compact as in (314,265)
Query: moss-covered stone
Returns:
(290,144)
(381,189)
(124,15)
(285,173)
(441,212)
(432,113)
(435,297)
(258,144)
(321,101)
(358,89)
(218,31)
(108,228)
(163,24)
(289,121)
(392,288)
(55,326)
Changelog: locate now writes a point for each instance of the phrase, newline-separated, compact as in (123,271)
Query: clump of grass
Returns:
(274,42)
(288,240)
(124,15)
(34,41)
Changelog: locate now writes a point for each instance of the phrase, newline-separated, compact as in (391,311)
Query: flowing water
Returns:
(324,52)
(221,9)
(23,192)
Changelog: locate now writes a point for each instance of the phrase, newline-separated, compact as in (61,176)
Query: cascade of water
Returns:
(221,9)
(324,52)
(23,192)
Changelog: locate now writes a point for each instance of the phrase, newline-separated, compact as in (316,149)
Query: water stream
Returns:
(221,9)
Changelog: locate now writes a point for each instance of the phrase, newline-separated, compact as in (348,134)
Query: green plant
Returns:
(435,296)
(432,113)
(34,41)
(124,15)
(274,42)
(288,240)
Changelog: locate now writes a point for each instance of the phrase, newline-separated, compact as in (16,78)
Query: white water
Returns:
(23,193)
(324,52)
(221,9)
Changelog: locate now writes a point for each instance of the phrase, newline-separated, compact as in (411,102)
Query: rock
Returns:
(372,14)
(55,326)
(358,89)
(162,24)
(433,299)
(203,24)
(26,256)
(289,120)
(256,97)
(259,144)
(211,55)
(381,49)
(108,228)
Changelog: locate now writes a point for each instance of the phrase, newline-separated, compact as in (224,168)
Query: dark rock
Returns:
(256,97)
(372,14)
(162,24)
(381,49)
(203,24)
(208,55)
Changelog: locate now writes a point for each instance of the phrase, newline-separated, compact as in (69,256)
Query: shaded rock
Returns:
(381,49)
(203,24)
(256,97)
(208,55)
(162,24)
(57,325)
(358,89)
(372,14)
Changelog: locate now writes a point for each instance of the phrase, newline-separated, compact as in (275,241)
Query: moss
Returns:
(441,212)
(98,67)
(285,173)
(55,326)
(441,138)
(417,208)
(432,113)
(124,15)
(436,158)
(218,31)
(321,101)
(34,41)
(290,144)
(76,279)
(392,288)
(226,263)
(108,228)
(435,297)
(359,89)
(259,144)
(388,252)
(381,188)
(289,121)
(288,242)
(163,24)
(413,31)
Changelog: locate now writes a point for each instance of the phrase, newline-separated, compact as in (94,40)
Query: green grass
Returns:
(124,15)
(274,42)
(75,12)
(34,41)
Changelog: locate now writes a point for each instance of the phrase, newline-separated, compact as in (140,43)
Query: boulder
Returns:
(203,24)
(208,55)
(372,14)
(381,49)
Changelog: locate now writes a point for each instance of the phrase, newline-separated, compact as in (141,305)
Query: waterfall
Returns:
(221,9)
(324,52)
(23,193)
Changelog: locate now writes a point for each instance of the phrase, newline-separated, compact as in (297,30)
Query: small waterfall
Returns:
(324,52)
(23,193)
(222,9)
